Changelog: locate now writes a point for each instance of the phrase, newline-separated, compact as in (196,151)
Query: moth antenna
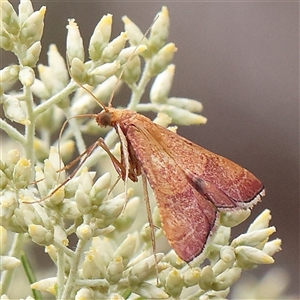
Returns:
(129,58)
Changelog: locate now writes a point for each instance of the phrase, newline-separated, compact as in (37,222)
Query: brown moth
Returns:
(190,183)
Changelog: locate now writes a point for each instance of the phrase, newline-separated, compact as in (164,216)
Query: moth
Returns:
(190,184)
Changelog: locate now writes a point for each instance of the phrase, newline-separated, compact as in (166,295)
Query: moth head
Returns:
(103,119)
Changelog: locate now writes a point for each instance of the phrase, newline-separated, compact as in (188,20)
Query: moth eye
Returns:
(104,119)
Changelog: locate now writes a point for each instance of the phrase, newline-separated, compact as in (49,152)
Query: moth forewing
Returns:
(190,183)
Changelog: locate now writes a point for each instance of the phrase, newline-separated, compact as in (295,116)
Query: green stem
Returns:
(30,128)
(70,88)
(60,273)
(70,284)
(12,132)
(31,276)
(138,91)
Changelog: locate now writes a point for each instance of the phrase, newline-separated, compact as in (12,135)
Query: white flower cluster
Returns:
(113,256)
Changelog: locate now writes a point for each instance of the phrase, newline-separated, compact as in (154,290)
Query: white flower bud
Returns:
(115,296)
(84,232)
(226,279)
(272,247)
(74,42)
(131,70)
(162,119)
(9,74)
(253,238)
(8,204)
(46,285)
(207,278)
(113,207)
(100,188)
(67,150)
(161,87)
(51,250)
(25,10)
(174,283)
(262,221)
(233,218)
(130,53)
(185,103)
(8,262)
(85,294)
(126,249)
(160,30)
(221,265)
(126,219)
(60,235)
(191,277)
(32,55)
(6,41)
(12,157)
(83,201)
(222,236)
(227,254)
(77,70)
(9,18)
(100,38)
(248,257)
(90,268)
(40,235)
(41,149)
(144,268)
(103,72)
(113,49)
(135,35)
(26,76)
(32,29)
(115,270)
(86,180)
(70,210)
(181,116)
(162,59)
(15,110)
(40,89)
(22,173)
(58,66)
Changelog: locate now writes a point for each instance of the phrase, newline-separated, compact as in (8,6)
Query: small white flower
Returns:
(161,87)
(100,38)
(32,29)
(113,49)
(74,42)
(8,262)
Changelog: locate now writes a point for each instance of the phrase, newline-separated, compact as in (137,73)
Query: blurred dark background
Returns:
(241,60)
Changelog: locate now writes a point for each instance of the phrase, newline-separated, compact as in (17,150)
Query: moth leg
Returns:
(150,221)
(85,154)
(125,155)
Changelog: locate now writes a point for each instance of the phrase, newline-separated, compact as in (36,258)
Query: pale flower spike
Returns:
(111,252)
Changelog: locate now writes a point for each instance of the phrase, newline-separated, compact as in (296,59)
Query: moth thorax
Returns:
(103,119)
